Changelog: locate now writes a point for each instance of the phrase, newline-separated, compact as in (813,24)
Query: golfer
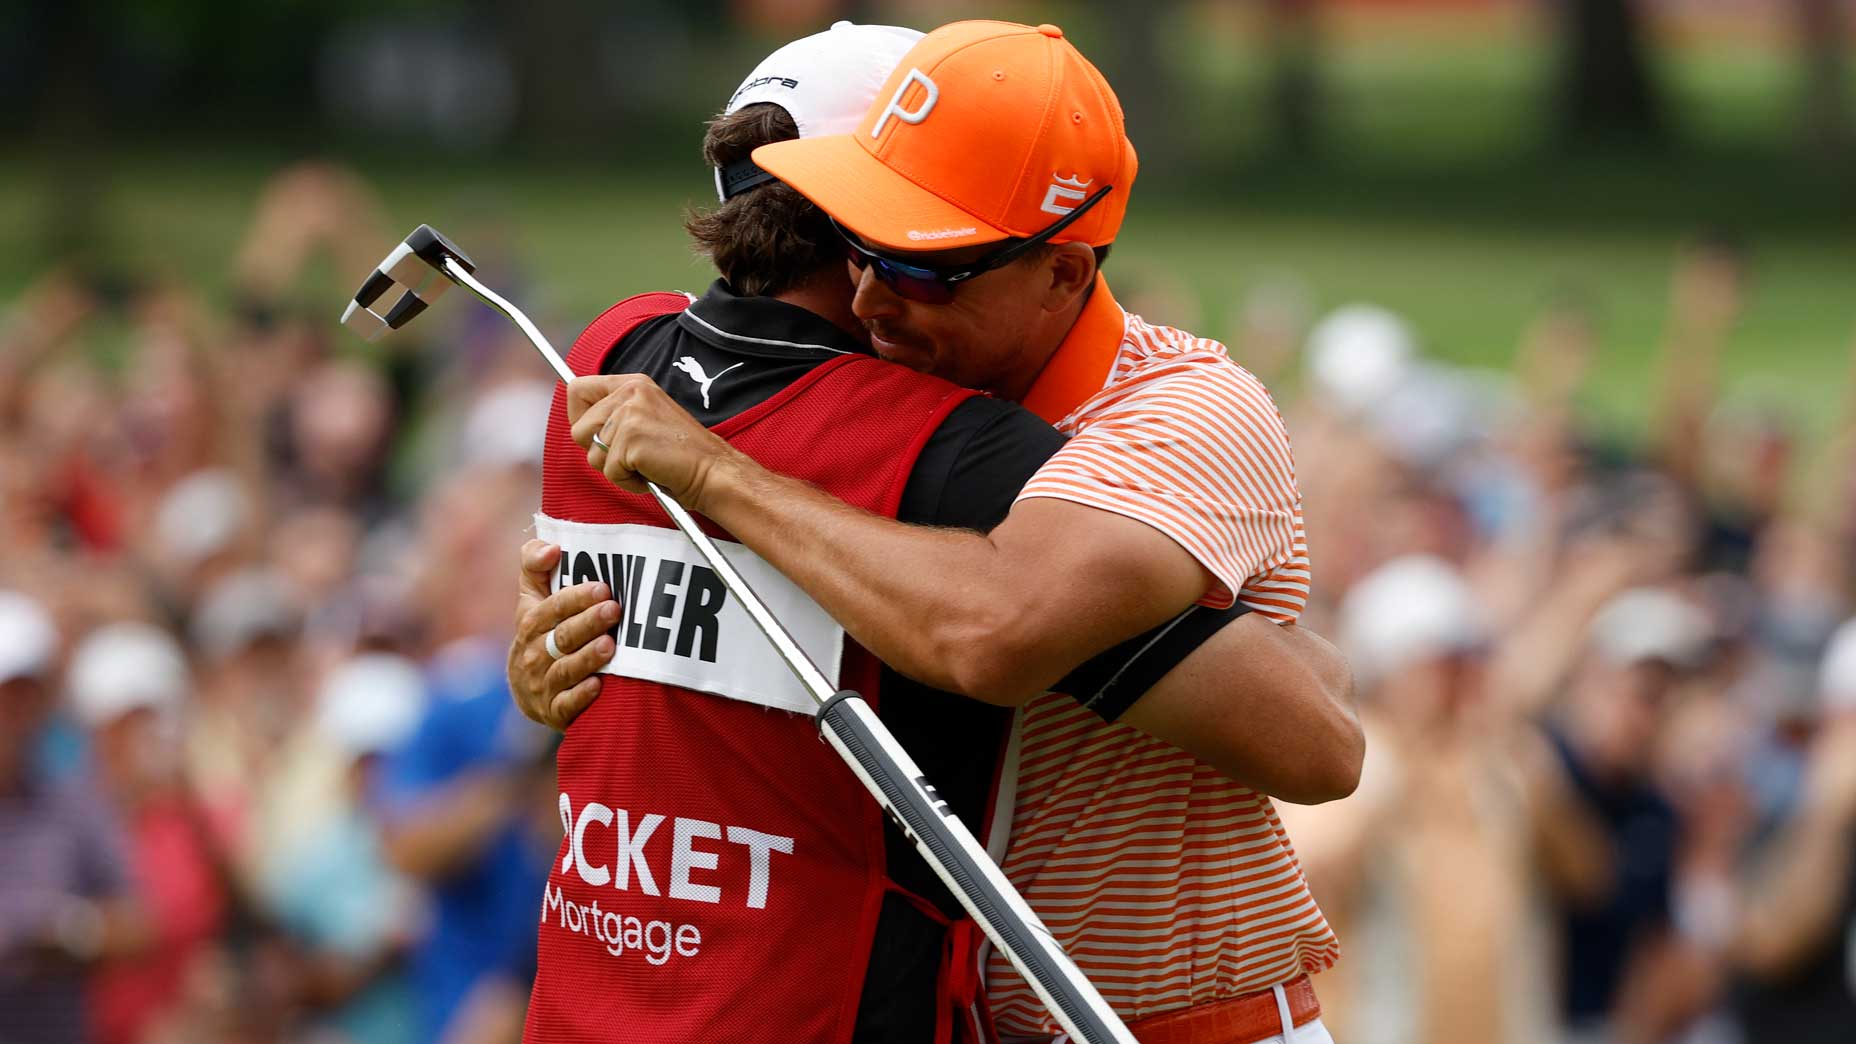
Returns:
(977,198)
(913,985)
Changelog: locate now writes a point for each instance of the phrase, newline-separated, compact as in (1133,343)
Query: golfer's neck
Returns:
(827,298)
(1047,338)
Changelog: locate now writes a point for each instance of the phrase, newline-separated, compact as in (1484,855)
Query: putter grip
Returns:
(854,728)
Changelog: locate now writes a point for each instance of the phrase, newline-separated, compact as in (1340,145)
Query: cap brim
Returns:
(883,207)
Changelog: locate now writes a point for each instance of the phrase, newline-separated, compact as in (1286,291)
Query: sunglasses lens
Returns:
(923,289)
(909,282)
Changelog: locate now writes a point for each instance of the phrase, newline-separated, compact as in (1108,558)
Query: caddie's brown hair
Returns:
(770,238)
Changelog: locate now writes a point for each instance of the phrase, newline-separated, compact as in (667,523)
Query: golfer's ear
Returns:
(1072,268)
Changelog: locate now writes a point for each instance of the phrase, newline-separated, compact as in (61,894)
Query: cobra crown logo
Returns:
(1061,188)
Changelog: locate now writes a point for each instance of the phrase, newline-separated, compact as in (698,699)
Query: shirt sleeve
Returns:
(970,471)
(1193,446)
(969,475)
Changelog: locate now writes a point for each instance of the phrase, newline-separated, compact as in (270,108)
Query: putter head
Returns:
(416,264)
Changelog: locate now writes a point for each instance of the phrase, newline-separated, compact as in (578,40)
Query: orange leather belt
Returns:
(1240,1020)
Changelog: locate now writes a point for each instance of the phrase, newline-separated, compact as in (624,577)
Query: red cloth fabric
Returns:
(722,968)
(183,895)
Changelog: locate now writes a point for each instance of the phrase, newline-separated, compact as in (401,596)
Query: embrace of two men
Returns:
(1058,547)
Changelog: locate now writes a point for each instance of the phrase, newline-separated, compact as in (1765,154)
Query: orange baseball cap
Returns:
(985,131)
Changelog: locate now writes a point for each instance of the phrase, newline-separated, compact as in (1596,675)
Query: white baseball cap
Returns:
(125,667)
(1412,609)
(370,704)
(201,516)
(1358,352)
(1650,624)
(28,638)
(240,609)
(505,426)
(826,82)
(1836,679)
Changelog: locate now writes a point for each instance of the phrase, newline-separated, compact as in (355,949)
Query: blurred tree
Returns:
(71,123)
(1137,66)
(1827,123)
(1294,96)
(1606,93)
(554,46)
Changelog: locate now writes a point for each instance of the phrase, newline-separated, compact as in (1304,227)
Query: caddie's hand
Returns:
(551,689)
(645,436)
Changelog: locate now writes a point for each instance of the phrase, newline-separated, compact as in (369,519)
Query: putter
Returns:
(424,264)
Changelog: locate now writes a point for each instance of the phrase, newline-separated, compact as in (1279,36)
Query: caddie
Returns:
(976,199)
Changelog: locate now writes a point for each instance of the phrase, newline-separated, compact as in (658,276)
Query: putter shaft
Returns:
(809,675)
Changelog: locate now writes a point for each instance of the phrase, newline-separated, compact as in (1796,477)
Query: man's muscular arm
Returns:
(1001,616)
(997,616)
(1269,705)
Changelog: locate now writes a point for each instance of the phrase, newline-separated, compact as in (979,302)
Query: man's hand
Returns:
(550,691)
(647,436)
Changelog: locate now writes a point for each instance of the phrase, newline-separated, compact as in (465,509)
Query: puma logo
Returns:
(699,375)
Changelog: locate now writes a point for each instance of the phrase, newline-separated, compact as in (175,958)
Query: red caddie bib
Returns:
(721,870)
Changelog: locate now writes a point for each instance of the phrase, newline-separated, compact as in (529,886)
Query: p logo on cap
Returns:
(985,131)
(894,108)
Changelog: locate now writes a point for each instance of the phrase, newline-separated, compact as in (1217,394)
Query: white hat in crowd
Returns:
(28,638)
(125,667)
(1651,624)
(1409,610)
(1836,680)
(370,704)
(825,81)
(201,516)
(1357,353)
(242,608)
(505,426)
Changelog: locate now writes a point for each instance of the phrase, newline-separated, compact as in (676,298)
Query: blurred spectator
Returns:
(327,878)
(459,800)
(65,901)
(128,684)
(1734,470)
(1423,869)
(1641,643)
(340,426)
(203,526)
(1795,944)
(249,701)
(469,801)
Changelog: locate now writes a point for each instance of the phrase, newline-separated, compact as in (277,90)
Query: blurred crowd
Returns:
(260,779)
(1608,684)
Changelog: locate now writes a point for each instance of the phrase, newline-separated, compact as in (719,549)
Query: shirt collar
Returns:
(1080,365)
(763,326)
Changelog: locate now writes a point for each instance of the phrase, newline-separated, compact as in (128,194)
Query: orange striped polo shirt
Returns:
(1169,884)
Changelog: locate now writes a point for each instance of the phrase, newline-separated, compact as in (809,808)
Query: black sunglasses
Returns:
(936,285)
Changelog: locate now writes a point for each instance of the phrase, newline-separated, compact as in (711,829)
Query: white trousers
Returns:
(1307,1033)
(1312,1032)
